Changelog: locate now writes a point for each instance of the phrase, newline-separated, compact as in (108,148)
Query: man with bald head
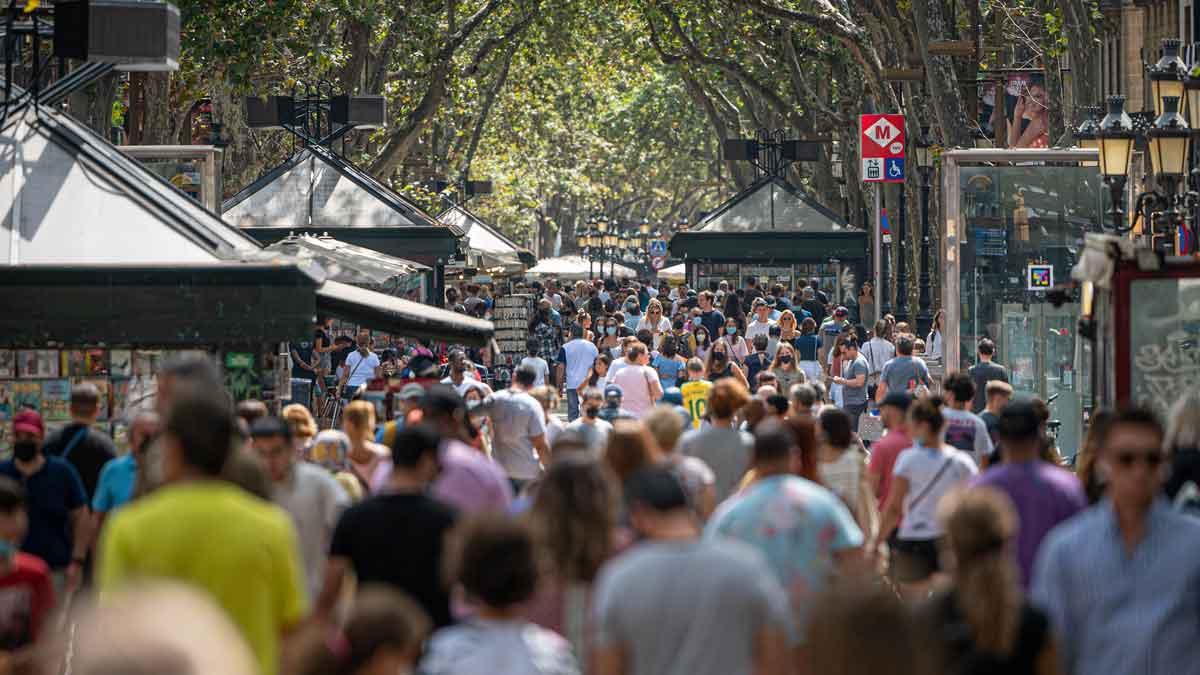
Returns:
(119,476)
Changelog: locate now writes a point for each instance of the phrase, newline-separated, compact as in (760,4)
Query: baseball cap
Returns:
(29,421)
(897,399)
(411,390)
(673,395)
(613,390)
(758,302)
(1019,421)
(841,311)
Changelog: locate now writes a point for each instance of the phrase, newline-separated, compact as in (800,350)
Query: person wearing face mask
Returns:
(685,342)
(59,525)
(607,339)
(361,365)
(720,366)
(701,336)
(591,428)
(655,322)
(739,349)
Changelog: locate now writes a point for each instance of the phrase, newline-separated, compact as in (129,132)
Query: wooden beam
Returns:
(904,74)
(952,48)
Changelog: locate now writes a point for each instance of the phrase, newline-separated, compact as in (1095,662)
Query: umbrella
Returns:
(673,273)
(342,262)
(574,267)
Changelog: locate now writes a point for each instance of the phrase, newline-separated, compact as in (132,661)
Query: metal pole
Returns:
(902,258)
(924,311)
(878,255)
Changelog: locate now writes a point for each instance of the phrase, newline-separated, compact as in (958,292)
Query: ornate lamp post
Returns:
(1115,138)
(585,243)
(925,169)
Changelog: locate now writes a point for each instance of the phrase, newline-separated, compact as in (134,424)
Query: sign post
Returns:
(881,152)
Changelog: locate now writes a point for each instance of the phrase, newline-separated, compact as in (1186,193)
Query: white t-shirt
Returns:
(919,465)
(468,384)
(664,324)
(614,368)
(580,354)
(756,328)
(361,368)
(538,364)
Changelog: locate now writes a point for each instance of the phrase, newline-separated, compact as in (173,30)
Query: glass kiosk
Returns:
(1014,226)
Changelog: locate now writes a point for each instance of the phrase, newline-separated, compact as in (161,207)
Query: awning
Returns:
(673,273)
(576,267)
(396,315)
(340,261)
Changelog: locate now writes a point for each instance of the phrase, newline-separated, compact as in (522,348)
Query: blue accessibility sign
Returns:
(658,247)
(893,170)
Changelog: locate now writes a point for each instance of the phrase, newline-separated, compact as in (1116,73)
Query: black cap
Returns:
(897,399)
(656,489)
(423,366)
(1019,421)
(442,399)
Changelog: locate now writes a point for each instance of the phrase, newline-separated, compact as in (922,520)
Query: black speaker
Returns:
(740,149)
(269,112)
(131,34)
(801,151)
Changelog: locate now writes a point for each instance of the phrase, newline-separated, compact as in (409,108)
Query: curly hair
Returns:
(574,516)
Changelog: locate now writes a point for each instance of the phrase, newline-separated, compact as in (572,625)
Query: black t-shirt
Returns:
(816,308)
(303,354)
(981,373)
(948,628)
(397,539)
(88,455)
(714,321)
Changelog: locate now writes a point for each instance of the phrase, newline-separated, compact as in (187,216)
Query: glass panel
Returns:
(767,275)
(184,174)
(1164,339)
(1014,217)
(711,272)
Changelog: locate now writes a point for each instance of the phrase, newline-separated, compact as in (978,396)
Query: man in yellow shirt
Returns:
(695,391)
(206,532)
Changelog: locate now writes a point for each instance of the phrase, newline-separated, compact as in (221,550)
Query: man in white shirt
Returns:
(575,360)
(361,365)
(458,377)
(761,324)
(519,430)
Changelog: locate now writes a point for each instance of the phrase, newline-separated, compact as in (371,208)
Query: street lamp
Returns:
(925,169)
(1166,76)
(1169,143)
(1115,138)
(1086,136)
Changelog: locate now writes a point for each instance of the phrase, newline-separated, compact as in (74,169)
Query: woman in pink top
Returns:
(638,381)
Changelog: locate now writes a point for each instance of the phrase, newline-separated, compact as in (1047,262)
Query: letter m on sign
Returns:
(882,136)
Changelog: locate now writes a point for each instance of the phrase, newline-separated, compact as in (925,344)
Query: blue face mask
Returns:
(732,330)
(611,330)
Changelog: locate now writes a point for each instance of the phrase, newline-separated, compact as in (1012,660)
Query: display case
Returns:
(1014,226)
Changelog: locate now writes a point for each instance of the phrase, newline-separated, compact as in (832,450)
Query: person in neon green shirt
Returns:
(203,531)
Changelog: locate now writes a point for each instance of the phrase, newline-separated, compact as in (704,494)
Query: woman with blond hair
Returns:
(302,424)
(654,321)
(365,455)
(982,623)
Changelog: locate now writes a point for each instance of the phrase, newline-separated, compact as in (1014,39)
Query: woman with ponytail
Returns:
(923,474)
(982,623)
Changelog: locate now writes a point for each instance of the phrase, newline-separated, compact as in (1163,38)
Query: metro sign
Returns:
(881,148)
(882,136)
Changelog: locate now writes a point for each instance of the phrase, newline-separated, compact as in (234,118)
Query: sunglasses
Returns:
(1127,459)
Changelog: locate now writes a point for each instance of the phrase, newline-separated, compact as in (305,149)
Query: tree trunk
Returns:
(92,105)
(1085,58)
(945,96)
(156,121)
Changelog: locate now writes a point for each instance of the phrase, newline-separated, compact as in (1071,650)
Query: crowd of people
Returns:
(701,507)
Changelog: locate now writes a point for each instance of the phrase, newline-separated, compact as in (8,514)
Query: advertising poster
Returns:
(120,362)
(6,400)
(26,395)
(56,399)
(37,363)
(1018,107)
(8,364)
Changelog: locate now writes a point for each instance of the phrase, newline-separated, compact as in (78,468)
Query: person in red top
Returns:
(893,411)
(26,592)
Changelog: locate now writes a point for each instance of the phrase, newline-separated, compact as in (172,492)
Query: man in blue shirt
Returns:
(118,477)
(1121,580)
(55,502)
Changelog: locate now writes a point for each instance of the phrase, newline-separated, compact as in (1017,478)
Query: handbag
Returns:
(870,427)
